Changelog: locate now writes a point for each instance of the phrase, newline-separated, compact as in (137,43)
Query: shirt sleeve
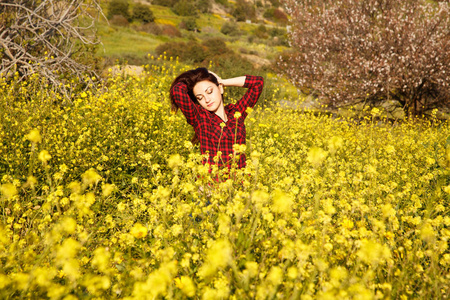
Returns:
(255,86)
(184,103)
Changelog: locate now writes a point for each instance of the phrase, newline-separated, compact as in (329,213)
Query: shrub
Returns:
(142,13)
(261,32)
(275,15)
(244,11)
(279,36)
(119,20)
(216,46)
(222,2)
(151,28)
(203,6)
(195,52)
(118,8)
(189,24)
(230,28)
(167,3)
(185,8)
(275,3)
(277,32)
(371,52)
(170,30)
(191,51)
(279,16)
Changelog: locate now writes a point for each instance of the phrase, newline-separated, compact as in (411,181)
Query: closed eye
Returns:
(208,91)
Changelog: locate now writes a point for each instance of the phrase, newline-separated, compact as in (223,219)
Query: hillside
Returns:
(127,39)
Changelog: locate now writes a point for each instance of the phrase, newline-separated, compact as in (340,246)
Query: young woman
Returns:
(199,95)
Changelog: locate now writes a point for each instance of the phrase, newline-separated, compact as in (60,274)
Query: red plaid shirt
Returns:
(207,124)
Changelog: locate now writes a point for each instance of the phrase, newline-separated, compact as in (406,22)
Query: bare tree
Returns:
(370,51)
(47,38)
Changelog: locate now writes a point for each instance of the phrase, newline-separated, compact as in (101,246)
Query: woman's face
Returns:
(209,95)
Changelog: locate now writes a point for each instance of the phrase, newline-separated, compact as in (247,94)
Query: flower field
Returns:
(106,197)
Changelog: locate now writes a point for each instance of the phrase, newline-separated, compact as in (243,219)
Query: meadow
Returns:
(106,197)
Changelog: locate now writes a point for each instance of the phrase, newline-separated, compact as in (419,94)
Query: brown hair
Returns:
(191,78)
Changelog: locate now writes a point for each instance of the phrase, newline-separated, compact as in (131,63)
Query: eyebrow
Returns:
(205,91)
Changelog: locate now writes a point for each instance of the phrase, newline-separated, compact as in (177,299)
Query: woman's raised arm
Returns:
(255,86)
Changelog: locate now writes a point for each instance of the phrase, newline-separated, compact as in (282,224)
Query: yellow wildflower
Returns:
(34,136)
(186,285)
(44,156)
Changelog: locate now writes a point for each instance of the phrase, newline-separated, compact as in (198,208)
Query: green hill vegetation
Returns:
(254,38)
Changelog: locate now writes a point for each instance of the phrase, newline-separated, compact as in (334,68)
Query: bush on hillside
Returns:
(230,28)
(279,37)
(216,46)
(119,20)
(190,52)
(189,24)
(276,15)
(212,49)
(261,32)
(275,3)
(185,8)
(142,13)
(222,2)
(118,8)
(150,28)
(167,3)
(203,6)
(244,11)
(170,30)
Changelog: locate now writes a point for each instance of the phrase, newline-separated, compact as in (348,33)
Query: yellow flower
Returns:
(44,156)
(316,156)
(335,143)
(373,253)
(186,285)
(282,202)
(427,232)
(34,136)
(237,115)
(91,177)
(138,231)
(69,225)
(175,161)
(375,111)
(107,189)
(8,190)
(218,256)
(348,224)
(101,259)
(252,268)
(275,275)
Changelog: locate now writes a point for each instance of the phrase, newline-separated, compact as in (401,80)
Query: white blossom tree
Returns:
(370,51)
